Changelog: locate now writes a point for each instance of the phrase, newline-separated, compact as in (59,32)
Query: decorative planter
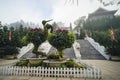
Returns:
(36,60)
(54,63)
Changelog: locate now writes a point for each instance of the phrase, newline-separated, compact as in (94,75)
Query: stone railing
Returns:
(76,48)
(98,47)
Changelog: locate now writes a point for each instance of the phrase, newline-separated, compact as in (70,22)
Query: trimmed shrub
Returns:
(52,56)
(70,63)
(61,39)
(22,63)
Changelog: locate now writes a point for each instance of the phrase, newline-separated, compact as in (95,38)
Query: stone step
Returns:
(87,51)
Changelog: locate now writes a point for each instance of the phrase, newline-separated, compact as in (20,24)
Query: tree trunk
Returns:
(35,50)
(60,53)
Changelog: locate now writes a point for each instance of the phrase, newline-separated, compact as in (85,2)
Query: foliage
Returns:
(10,50)
(114,46)
(101,32)
(61,39)
(22,63)
(9,47)
(38,52)
(24,40)
(47,26)
(41,53)
(80,22)
(70,63)
(102,24)
(52,56)
(33,64)
(103,2)
(109,2)
(102,37)
(36,36)
(82,33)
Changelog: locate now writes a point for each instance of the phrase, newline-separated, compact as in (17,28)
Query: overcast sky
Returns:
(37,10)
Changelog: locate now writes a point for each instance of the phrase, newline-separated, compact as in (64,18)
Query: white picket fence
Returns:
(51,72)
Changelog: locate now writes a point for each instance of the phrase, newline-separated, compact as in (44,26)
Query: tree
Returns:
(109,2)
(79,25)
(6,46)
(55,25)
(104,2)
(61,39)
(100,30)
(36,36)
(80,22)
(102,24)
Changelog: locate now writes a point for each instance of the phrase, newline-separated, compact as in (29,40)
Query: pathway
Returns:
(110,69)
(87,51)
(3,61)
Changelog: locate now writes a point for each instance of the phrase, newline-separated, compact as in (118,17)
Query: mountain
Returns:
(24,24)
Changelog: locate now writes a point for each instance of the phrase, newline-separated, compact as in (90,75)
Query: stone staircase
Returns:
(87,51)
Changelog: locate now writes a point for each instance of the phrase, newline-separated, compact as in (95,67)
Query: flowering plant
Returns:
(62,31)
(61,39)
(36,36)
(35,29)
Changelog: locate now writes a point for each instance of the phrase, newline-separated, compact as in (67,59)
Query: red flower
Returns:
(35,29)
(62,30)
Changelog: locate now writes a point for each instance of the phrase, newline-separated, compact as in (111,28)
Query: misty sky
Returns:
(37,10)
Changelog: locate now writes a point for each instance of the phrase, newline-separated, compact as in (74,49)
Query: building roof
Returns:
(101,11)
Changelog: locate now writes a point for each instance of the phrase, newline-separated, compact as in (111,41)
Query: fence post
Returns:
(84,71)
(60,72)
(77,72)
(11,70)
(36,71)
(48,71)
(63,72)
(94,69)
(81,72)
(100,73)
(42,70)
(57,72)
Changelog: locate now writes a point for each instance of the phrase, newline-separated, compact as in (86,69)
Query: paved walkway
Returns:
(37,78)
(110,69)
(3,61)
